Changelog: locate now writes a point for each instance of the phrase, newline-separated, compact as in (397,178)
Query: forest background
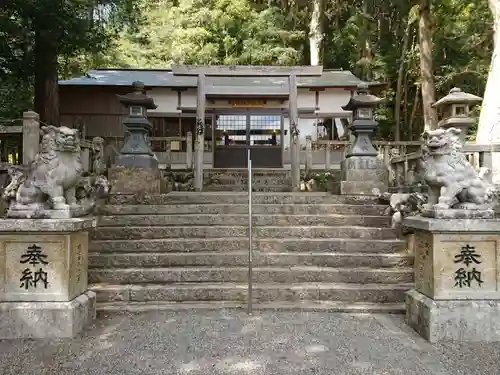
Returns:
(418,49)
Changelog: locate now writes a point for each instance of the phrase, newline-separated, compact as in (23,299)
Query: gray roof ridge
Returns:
(133,69)
(166,78)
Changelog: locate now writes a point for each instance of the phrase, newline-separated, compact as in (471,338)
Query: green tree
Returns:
(376,39)
(210,32)
(45,30)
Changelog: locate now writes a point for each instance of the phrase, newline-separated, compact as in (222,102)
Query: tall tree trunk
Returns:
(366,46)
(413,112)
(426,71)
(46,85)
(488,130)
(399,85)
(316,32)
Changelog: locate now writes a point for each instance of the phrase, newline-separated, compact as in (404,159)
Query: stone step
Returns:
(273,245)
(242,219)
(374,293)
(256,179)
(178,197)
(244,172)
(130,233)
(257,209)
(317,306)
(240,259)
(244,187)
(295,274)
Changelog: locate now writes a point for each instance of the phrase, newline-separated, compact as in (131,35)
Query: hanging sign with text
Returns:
(247,103)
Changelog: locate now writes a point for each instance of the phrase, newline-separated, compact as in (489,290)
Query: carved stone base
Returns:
(460,320)
(47,319)
(363,175)
(362,188)
(39,211)
(136,180)
(43,277)
(457,213)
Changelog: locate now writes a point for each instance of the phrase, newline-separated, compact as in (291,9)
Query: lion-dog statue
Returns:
(51,181)
(453,182)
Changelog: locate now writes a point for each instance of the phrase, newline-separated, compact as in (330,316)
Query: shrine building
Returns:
(245,107)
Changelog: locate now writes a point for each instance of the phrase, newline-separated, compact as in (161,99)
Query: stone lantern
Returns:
(136,152)
(136,168)
(363,125)
(454,110)
(362,171)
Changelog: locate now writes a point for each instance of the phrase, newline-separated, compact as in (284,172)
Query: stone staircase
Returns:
(312,251)
(268,180)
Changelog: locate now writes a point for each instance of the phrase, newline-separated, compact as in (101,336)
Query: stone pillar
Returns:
(363,173)
(457,279)
(294,133)
(136,167)
(200,134)
(168,154)
(85,158)
(44,292)
(31,136)
(327,156)
(309,155)
(189,150)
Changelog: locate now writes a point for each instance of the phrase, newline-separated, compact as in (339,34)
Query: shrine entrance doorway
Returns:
(237,132)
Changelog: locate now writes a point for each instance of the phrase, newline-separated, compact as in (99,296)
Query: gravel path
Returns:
(229,342)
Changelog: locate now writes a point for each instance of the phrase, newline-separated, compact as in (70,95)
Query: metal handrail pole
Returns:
(250,252)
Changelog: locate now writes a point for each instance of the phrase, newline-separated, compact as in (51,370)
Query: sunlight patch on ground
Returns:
(251,324)
(193,366)
(238,365)
(102,343)
(229,365)
(312,349)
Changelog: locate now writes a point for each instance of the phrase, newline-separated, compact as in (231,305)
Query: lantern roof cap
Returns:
(457,96)
(137,97)
(362,98)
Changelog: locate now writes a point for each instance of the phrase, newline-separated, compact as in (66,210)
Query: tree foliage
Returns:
(210,32)
(364,36)
(35,34)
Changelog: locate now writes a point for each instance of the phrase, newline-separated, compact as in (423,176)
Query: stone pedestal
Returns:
(457,279)
(136,180)
(363,175)
(43,277)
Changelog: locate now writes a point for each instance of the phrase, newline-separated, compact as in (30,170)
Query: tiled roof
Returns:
(125,77)
(165,78)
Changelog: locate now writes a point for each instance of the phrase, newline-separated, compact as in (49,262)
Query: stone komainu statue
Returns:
(453,182)
(52,186)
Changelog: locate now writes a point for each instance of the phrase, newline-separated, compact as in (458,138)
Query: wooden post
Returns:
(31,136)
(200,133)
(189,150)
(294,132)
(309,155)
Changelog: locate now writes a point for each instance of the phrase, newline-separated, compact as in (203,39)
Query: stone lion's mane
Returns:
(50,149)
(47,147)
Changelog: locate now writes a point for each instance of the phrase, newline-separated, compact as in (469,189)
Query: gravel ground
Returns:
(229,342)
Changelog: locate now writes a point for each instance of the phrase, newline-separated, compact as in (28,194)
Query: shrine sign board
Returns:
(247,103)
